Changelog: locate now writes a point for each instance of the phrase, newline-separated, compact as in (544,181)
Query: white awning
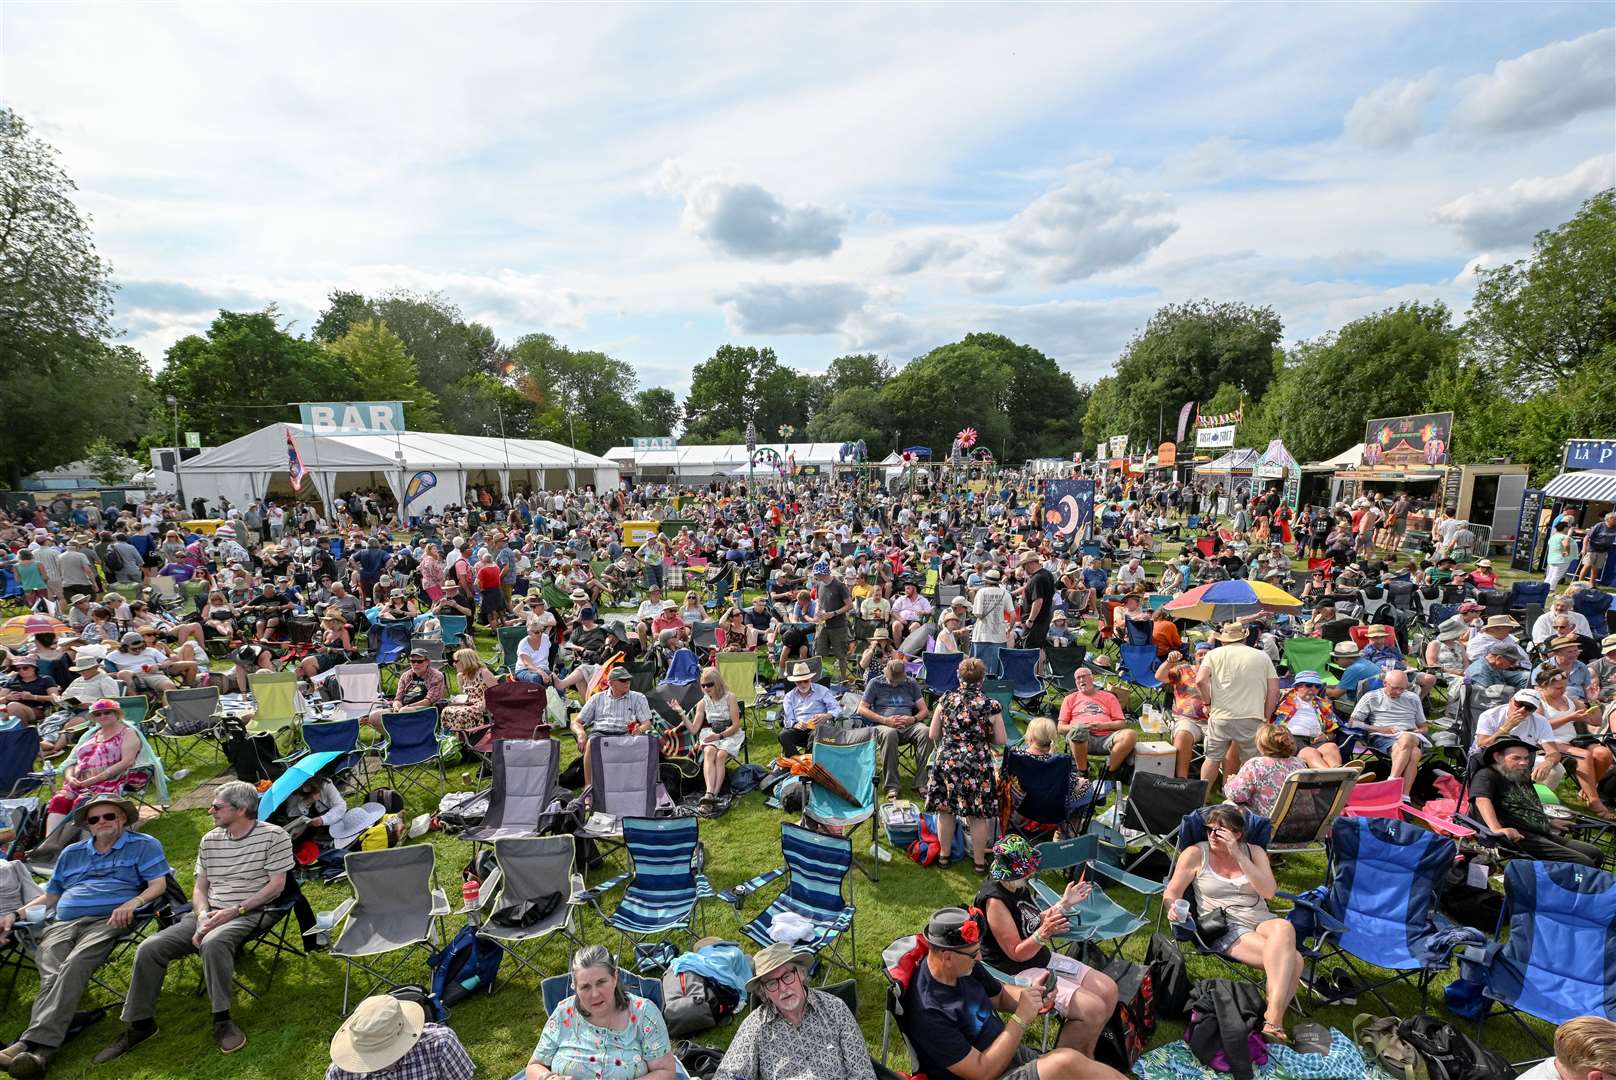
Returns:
(1592,485)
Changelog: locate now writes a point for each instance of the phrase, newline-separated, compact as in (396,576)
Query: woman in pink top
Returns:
(1256,786)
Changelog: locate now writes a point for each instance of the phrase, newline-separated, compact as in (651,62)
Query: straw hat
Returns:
(380,1032)
(800,672)
(1231,632)
(770,960)
(131,810)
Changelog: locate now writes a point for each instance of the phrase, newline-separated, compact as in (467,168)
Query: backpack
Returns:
(1225,1026)
(1449,1053)
(693,1003)
(1169,979)
(388,799)
(1128,1032)
(252,757)
(464,966)
(699,1060)
(1383,1046)
(112,560)
(428,1002)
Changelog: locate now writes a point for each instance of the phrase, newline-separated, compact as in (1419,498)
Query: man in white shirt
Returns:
(1395,720)
(1560,610)
(993,610)
(1130,575)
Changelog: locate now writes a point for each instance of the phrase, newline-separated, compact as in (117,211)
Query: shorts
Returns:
(70,591)
(1242,731)
(832,641)
(1066,985)
(1024,1066)
(1184,723)
(1037,637)
(1594,559)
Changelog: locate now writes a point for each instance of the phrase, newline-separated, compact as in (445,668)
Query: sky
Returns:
(655,181)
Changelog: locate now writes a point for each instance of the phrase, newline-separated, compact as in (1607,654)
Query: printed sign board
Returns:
(353,417)
(1590,454)
(1215,438)
(655,442)
(1409,440)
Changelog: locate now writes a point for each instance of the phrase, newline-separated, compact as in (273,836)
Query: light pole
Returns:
(751,448)
(572,436)
(179,490)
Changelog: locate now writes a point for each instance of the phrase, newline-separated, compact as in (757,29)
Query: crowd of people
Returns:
(839,592)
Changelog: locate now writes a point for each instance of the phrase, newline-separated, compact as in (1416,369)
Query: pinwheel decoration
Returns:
(966,438)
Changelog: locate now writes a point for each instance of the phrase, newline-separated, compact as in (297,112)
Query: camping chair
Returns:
(508,638)
(899,962)
(275,702)
(393,649)
(1309,654)
(359,689)
(625,784)
(334,736)
(276,935)
(136,710)
(816,867)
(1376,799)
(19,749)
(1150,818)
(1525,594)
(1556,963)
(412,741)
(642,673)
(704,636)
(432,646)
(1064,660)
(530,870)
(1381,886)
(558,988)
(1040,806)
(1593,605)
(849,757)
(941,671)
(1097,919)
(683,670)
(526,774)
(453,629)
(663,888)
(1020,667)
(1306,807)
(516,710)
(739,670)
(999,690)
(395,908)
(186,722)
(1139,671)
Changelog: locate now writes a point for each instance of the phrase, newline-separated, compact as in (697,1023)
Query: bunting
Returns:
(1222,419)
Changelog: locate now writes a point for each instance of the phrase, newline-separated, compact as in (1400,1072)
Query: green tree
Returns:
(53,411)
(952,387)
(728,389)
(1044,403)
(659,411)
(482,404)
(243,373)
(858,412)
(1537,322)
(383,371)
(110,465)
(344,310)
(581,394)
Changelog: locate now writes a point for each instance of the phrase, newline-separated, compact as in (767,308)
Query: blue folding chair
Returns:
(558,988)
(1557,962)
(663,888)
(9,585)
(454,630)
(1524,594)
(19,749)
(1380,887)
(816,867)
(682,668)
(1021,672)
(1593,605)
(412,741)
(1098,919)
(335,736)
(849,757)
(1136,633)
(941,671)
(1139,669)
(393,647)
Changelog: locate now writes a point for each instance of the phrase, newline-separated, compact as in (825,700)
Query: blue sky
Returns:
(657,180)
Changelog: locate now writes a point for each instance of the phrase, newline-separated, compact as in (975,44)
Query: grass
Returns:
(289,1030)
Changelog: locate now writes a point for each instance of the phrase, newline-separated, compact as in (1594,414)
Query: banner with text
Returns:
(1215,438)
(353,417)
(1409,440)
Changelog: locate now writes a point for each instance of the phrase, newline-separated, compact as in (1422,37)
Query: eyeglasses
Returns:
(969,954)
(96,819)
(785,978)
(219,806)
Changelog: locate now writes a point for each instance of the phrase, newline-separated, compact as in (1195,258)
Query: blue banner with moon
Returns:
(1069,510)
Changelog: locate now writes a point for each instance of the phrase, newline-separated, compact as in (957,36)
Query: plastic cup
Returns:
(35,914)
(1181,908)
(325,920)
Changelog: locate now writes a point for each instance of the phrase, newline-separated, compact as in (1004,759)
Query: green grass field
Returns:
(289,1030)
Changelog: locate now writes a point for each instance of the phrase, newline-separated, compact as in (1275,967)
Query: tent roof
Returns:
(266,449)
(1233,461)
(1346,459)
(726,455)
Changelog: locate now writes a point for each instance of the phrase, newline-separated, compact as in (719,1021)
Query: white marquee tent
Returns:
(440,466)
(700,464)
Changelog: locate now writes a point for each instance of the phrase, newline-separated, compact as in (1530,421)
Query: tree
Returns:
(951,387)
(659,411)
(383,371)
(859,412)
(344,310)
(110,466)
(243,373)
(725,389)
(483,405)
(53,414)
(1043,401)
(581,394)
(1537,322)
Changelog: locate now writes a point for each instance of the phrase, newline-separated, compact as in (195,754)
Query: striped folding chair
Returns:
(663,888)
(816,868)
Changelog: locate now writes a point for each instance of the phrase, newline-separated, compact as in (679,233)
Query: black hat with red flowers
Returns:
(954,929)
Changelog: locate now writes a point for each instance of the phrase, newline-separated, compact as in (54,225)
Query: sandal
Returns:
(1275,1033)
(981,868)
(1602,812)
(944,862)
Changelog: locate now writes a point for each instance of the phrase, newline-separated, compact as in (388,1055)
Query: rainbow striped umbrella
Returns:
(1221,601)
(19,628)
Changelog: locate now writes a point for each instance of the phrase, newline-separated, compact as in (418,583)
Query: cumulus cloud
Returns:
(1509,217)
(909,257)
(1092,223)
(773,308)
(1391,116)
(1542,88)
(746,221)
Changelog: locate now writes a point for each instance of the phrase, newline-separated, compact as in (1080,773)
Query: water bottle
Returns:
(471,891)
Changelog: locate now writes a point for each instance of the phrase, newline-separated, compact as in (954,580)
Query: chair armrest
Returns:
(1325,920)
(592,896)
(342,911)
(1445,826)
(1138,884)
(738,893)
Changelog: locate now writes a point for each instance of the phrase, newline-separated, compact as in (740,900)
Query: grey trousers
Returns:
(68,954)
(888,740)
(161,949)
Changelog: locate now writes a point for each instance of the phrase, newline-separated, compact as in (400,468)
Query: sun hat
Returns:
(1030,555)
(881,633)
(1345,648)
(1308,678)
(131,638)
(953,616)
(1508,742)
(380,1032)
(800,672)
(1501,622)
(1378,630)
(106,705)
(1528,697)
(821,567)
(767,961)
(1469,606)
(1013,858)
(25,660)
(131,810)
(347,828)
(1451,629)
(618,674)
(82,663)
(1505,647)
(993,575)
(1231,632)
(952,928)
(669,605)
(1565,641)
(1609,644)
(1487,563)
(578,596)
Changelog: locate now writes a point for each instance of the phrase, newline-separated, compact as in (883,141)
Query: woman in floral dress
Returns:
(965,727)
(475,679)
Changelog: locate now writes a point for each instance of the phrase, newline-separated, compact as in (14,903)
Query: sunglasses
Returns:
(709,684)
(96,819)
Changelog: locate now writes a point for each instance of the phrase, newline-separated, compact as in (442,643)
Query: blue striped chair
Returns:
(816,867)
(663,889)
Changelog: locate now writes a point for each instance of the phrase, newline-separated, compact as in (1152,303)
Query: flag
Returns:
(294,464)
(1184,419)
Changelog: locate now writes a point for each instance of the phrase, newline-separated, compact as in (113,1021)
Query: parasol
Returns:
(816,773)
(295,776)
(1220,601)
(19,628)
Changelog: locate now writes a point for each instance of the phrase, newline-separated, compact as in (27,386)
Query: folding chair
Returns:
(359,689)
(432,646)
(1139,671)
(663,888)
(1375,799)
(453,629)
(1064,660)
(999,690)
(849,757)
(516,710)
(334,736)
(941,671)
(739,670)
(19,749)
(1381,886)
(508,638)
(683,670)
(412,741)
(558,988)
(530,870)
(274,702)
(818,889)
(1020,667)
(1150,818)
(704,636)
(1098,919)
(136,708)
(396,908)
(526,776)
(1040,804)
(187,721)
(277,935)
(1309,654)
(625,785)
(1525,594)
(393,649)
(1306,807)
(1556,963)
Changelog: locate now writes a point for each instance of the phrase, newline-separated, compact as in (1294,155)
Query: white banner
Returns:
(1119,446)
(1215,438)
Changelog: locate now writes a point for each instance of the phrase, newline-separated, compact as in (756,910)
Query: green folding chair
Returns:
(1310,654)
(275,702)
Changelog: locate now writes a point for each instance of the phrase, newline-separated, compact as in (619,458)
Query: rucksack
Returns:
(1169,979)
(252,757)
(112,560)
(424,998)
(1128,1032)
(388,799)
(1449,1053)
(698,1059)
(693,1003)
(464,966)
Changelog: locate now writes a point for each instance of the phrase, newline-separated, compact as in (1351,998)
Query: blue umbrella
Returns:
(296,775)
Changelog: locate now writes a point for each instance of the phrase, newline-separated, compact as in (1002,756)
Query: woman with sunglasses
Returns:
(715,728)
(734,635)
(1569,718)
(103,764)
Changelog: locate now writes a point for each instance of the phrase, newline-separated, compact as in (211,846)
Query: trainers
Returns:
(1345,988)
(229,1037)
(126,1041)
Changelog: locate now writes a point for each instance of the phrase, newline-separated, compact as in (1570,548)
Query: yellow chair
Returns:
(275,697)
(739,670)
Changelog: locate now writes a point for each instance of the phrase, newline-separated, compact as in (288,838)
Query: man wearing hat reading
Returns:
(805,706)
(1240,688)
(1564,652)
(618,711)
(387,1037)
(794,1030)
(951,1009)
(96,888)
(1507,802)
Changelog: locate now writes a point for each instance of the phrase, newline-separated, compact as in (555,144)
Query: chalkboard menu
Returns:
(1524,555)
(1450,490)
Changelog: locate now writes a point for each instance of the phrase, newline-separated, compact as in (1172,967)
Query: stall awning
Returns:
(1593,485)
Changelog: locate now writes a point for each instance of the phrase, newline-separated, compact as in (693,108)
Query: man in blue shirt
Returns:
(372,560)
(1497,665)
(808,703)
(97,887)
(897,709)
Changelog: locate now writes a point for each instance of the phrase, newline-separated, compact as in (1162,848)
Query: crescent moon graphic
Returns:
(1070,509)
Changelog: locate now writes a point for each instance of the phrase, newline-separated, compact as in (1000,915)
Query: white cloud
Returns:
(912,256)
(771,308)
(1511,216)
(1542,88)
(1092,223)
(743,220)
(1391,116)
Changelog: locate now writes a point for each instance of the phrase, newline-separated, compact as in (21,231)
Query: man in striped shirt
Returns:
(241,867)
